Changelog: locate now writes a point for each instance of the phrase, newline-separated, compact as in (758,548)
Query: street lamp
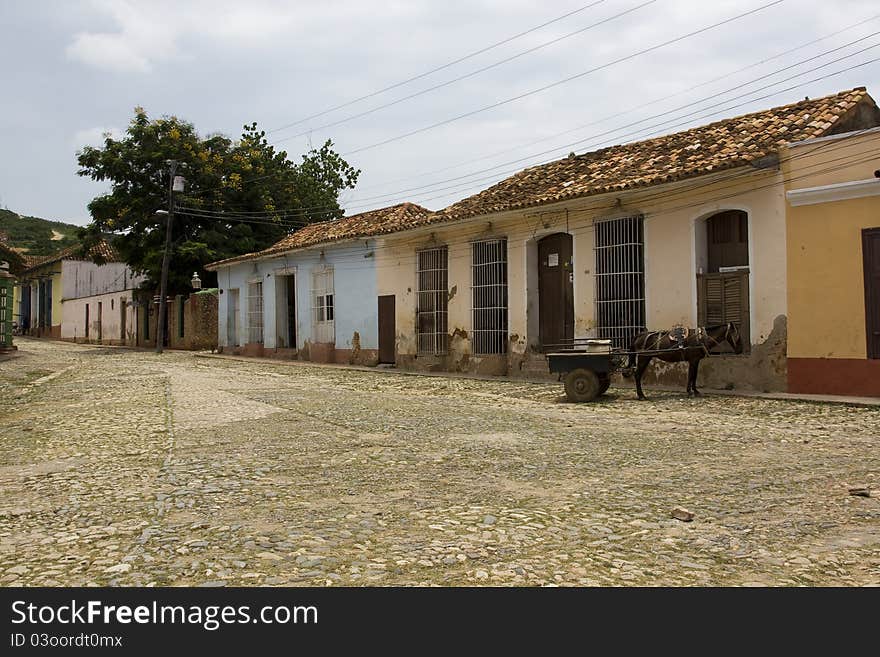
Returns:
(196,281)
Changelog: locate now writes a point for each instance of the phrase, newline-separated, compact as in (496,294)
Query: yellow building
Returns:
(685,229)
(833,253)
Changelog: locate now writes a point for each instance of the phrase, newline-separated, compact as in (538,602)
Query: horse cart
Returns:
(586,364)
(586,367)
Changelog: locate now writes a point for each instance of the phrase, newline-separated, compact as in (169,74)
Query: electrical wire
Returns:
(564,80)
(631,109)
(436,69)
(465,76)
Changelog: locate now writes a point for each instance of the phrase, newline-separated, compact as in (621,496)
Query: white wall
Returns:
(80,278)
(106,322)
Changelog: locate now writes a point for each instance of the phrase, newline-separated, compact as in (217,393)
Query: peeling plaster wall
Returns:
(672,220)
(108,323)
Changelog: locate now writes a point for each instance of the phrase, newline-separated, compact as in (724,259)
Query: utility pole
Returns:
(166,259)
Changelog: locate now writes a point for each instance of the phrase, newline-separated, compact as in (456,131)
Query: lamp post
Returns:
(175,184)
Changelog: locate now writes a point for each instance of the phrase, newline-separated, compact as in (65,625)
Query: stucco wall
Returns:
(108,323)
(825,266)
(355,299)
(81,278)
(672,217)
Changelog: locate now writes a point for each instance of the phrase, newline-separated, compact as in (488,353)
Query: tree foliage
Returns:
(261,194)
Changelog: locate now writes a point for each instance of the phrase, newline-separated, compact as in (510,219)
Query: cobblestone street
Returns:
(126,468)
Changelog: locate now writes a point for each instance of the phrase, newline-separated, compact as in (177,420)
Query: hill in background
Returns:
(36,236)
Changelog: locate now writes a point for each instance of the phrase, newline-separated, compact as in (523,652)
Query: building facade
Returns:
(833,255)
(313,295)
(69,296)
(689,229)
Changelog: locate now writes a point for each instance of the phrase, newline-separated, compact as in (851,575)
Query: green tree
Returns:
(241,196)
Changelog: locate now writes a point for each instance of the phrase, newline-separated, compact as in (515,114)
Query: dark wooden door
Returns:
(291,311)
(555,290)
(387,329)
(871,254)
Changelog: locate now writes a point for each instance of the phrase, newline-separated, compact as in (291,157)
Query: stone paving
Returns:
(126,468)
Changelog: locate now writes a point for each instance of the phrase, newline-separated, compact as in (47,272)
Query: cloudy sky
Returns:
(74,69)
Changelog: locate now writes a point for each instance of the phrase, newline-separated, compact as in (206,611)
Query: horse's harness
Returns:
(679,335)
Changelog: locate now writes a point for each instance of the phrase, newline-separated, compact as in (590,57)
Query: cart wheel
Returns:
(604,382)
(582,385)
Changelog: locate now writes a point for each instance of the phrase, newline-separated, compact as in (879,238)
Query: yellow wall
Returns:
(826,295)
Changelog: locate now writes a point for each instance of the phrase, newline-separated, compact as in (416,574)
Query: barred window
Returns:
(323,308)
(620,279)
(255,312)
(489,296)
(432,310)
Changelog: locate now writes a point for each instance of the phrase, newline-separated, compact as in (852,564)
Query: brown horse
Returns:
(693,346)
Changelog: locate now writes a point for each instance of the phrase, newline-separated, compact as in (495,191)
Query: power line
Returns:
(472,182)
(736,177)
(662,123)
(438,68)
(562,81)
(465,76)
(630,110)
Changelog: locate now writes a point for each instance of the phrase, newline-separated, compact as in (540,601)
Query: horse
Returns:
(693,346)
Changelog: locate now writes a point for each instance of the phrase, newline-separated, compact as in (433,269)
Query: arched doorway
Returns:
(723,271)
(555,291)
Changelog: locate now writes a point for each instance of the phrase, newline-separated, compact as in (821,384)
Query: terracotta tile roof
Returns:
(717,146)
(366,224)
(102,249)
(721,145)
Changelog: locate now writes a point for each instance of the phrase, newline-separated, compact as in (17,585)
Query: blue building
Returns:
(313,295)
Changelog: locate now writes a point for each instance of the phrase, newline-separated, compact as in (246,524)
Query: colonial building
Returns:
(313,294)
(685,229)
(70,296)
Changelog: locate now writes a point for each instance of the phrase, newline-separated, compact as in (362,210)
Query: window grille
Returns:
(255,312)
(489,296)
(323,308)
(432,310)
(620,279)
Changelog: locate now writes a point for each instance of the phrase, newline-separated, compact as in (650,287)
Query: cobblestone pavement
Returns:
(127,468)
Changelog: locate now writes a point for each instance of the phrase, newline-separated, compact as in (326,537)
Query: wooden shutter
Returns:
(723,298)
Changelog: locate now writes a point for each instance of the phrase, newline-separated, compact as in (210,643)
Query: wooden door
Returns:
(555,291)
(387,329)
(291,312)
(122,319)
(871,255)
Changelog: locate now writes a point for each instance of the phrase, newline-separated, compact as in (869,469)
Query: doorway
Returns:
(285,320)
(232,318)
(555,291)
(387,329)
(122,318)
